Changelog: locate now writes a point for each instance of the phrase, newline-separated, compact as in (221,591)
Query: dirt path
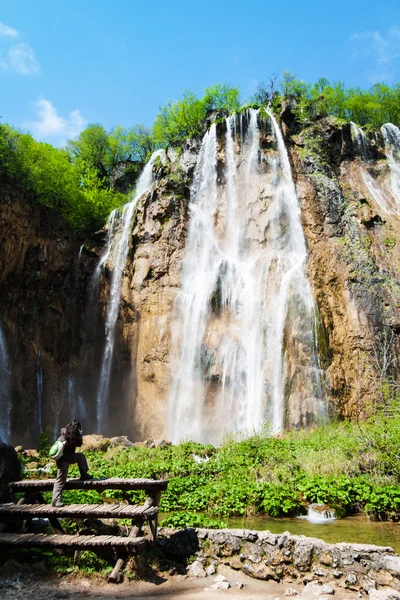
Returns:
(19,586)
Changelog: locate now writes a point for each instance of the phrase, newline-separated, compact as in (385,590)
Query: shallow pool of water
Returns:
(358,529)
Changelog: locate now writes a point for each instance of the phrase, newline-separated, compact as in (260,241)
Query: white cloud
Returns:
(381,50)
(6,31)
(21,59)
(51,127)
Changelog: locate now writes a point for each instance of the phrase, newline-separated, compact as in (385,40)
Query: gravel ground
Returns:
(24,586)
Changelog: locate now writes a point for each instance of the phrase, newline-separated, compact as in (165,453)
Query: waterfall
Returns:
(5,399)
(360,142)
(120,255)
(77,409)
(382,199)
(391,135)
(242,268)
(39,388)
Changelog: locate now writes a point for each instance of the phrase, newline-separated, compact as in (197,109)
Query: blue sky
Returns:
(66,64)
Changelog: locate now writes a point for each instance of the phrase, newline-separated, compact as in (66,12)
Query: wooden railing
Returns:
(32,505)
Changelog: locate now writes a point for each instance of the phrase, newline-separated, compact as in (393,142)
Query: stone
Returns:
(240,585)
(320,572)
(291,592)
(391,564)
(93,442)
(121,440)
(336,573)
(162,443)
(314,587)
(384,594)
(302,555)
(32,453)
(351,579)
(211,570)
(220,583)
(196,569)
(259,571)
(368,584)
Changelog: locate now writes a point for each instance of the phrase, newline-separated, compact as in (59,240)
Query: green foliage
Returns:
(279,500)
(339,464)
(74,189)
(369,108)
(191,519)
(221,97)
(184,118)
(179,120)
(43,445)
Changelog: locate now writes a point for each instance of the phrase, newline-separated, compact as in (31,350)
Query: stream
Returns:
(356,529)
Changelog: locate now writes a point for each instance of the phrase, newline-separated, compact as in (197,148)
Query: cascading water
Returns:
(244,292)
(391,135)
(39,387)
(119,255)
(383,200)
(76,405)
(360,142)
(5,400)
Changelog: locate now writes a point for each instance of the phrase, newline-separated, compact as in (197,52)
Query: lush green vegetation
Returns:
(345,465)
(79,180)
(370,108)
(184,118)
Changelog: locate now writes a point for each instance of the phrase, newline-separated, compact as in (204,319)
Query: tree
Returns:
(221,97)
(91,148)
(266,93)
(179,120)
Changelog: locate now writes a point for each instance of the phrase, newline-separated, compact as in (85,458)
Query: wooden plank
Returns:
(116,511)
(65,541)
(91,484)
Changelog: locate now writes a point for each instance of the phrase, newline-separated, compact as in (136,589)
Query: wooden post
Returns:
(136,531)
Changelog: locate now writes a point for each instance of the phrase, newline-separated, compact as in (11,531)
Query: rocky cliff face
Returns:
(52,305)
(353,259)
(40,305)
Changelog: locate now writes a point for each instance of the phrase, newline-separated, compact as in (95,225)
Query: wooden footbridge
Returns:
(32,505)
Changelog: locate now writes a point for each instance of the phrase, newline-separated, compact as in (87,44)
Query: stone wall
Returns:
(284,557)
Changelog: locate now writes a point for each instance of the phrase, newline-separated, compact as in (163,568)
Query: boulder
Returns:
(94,442)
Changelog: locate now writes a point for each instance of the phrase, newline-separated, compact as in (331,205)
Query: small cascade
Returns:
(391,135)
(319,514)
(5,396)
(360,142)
(383,200)
(244,292)
(39,387)
(76,405)
(119,255)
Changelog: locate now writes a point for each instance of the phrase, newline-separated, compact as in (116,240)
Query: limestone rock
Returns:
(259,571)
(384,594)
(314,587)
(121,440)
(291,592)
(302,555)
(220,583)
(95,442)
(196,569)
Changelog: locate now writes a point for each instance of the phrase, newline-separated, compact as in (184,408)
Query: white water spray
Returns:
(121,252)
(391,135)
(243,270)
(5,399)
(39,387)
(386,203)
